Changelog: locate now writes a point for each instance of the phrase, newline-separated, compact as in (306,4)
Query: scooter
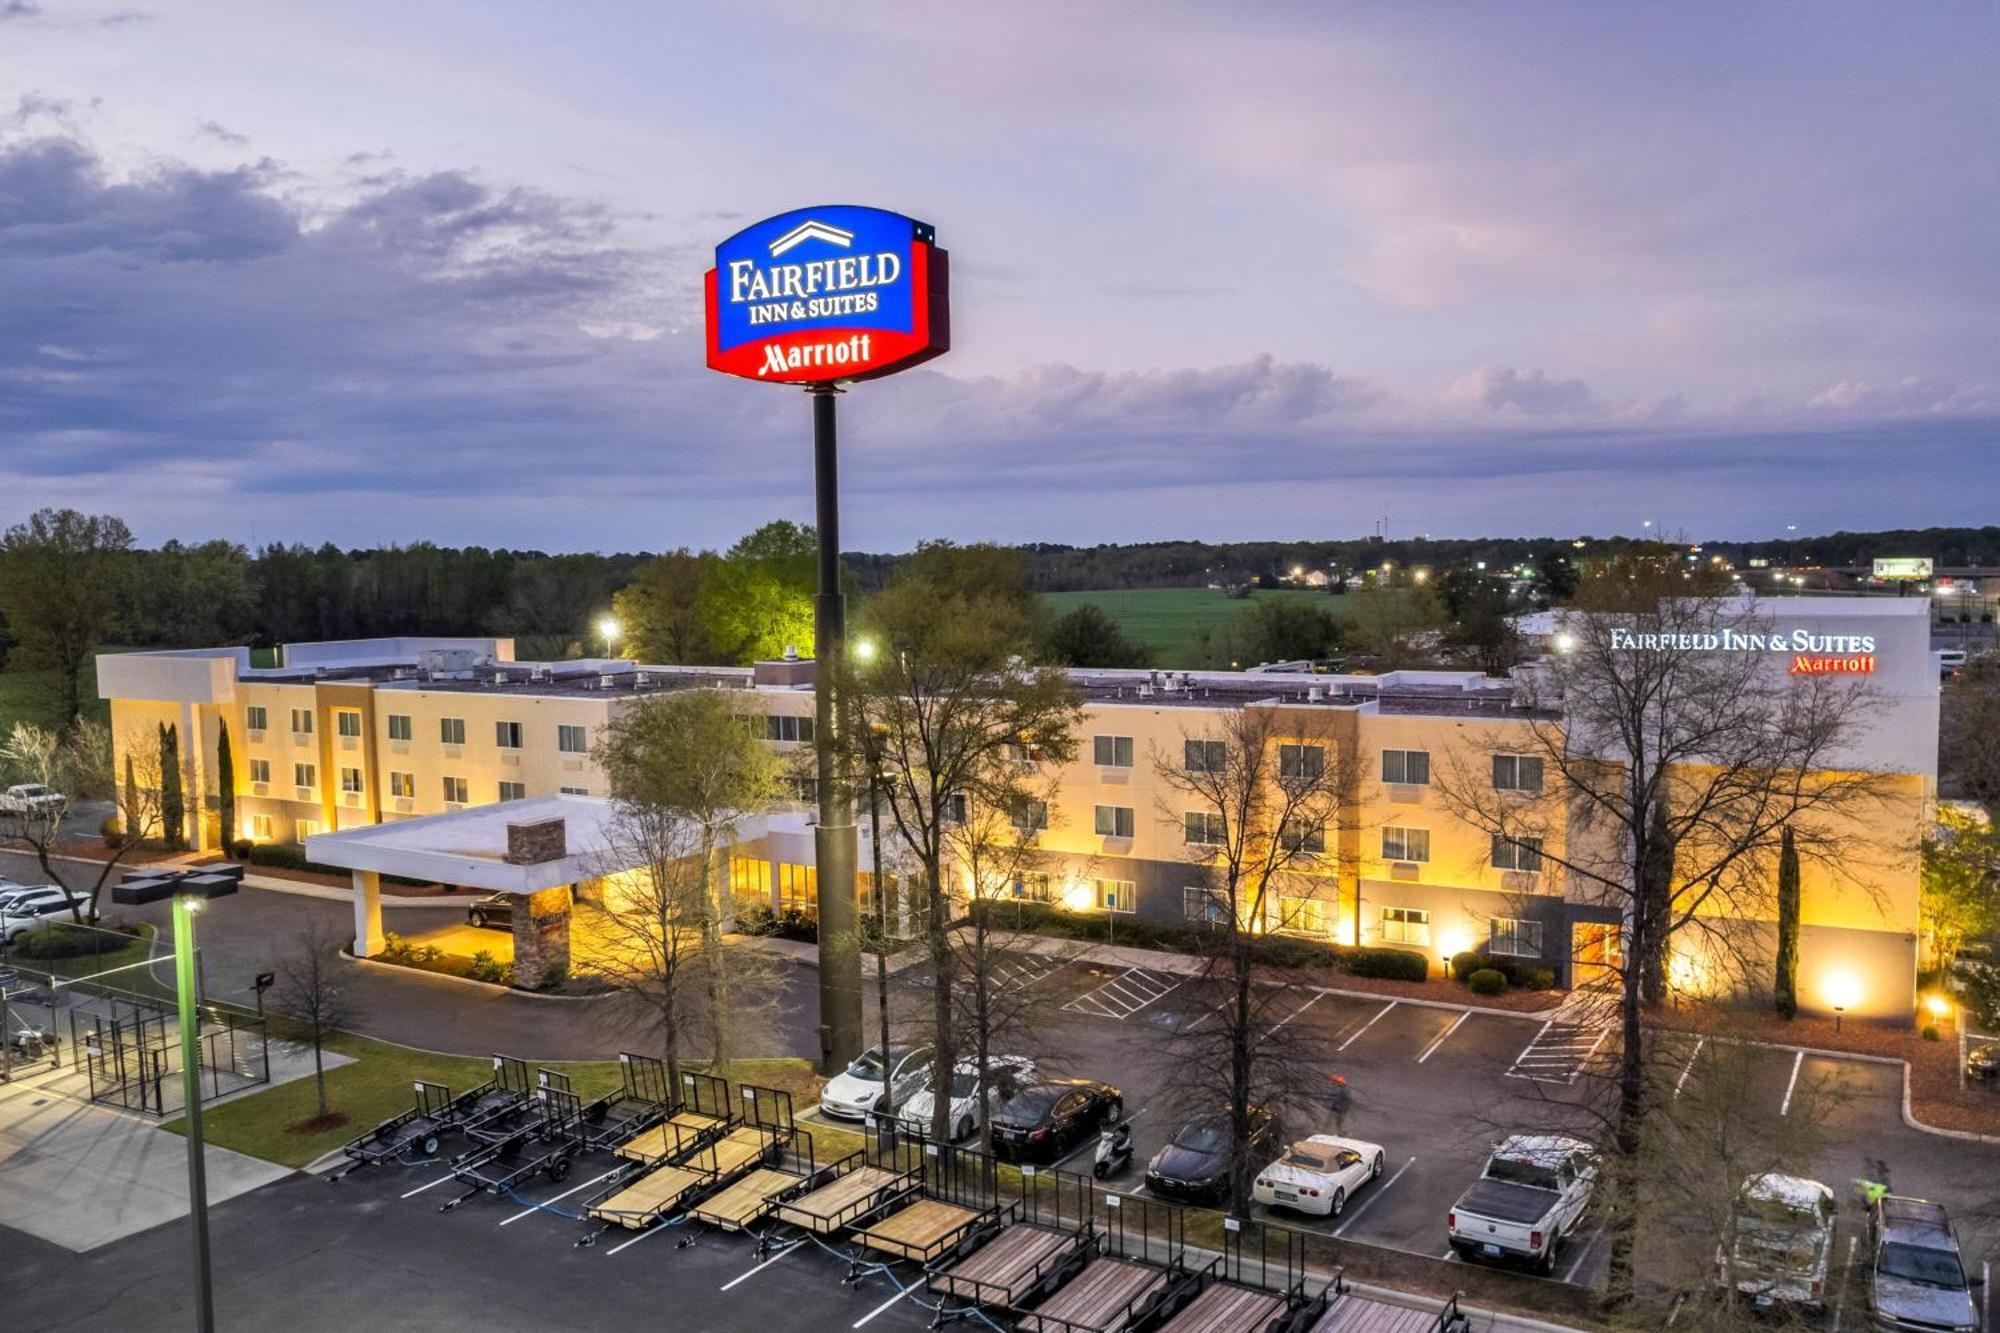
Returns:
(1114,1151)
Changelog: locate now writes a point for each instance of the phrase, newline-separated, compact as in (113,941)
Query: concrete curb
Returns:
(490,987)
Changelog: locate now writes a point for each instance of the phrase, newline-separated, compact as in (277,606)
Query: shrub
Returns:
(1486,981)
(68,940)
(112,832)
(484,967)
(1536,978)
(1464,964)
(796,924)
(555,978)
(1931,1033)
(1390,964)
(239,850)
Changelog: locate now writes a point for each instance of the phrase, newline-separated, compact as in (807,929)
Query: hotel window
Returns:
(750,877)
(1116,895)
(1517,854)
(1026,755)
(1302,762)
(350,781)
(399,726)
(347,722)
(304,775)
(455,791)
(1515,939)
(1032,885)
(1029,815)
(260,828)
(1204,756)
(254,717)
(798,887)
(1300,836)
(952,811)
(451,730)
(571,739)
(1406,925)
(513,791)
(788,729)
(1201,903)
(574,791)
(1111,751)
(507,735)
(1517,772)
(302,721)
(1308,916)
(304,828)
(403,785)
(1406,768)
(1406,844)
(260,770)
(1114,821)
(1203,828)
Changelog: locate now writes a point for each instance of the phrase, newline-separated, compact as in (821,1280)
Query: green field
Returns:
(1172,621)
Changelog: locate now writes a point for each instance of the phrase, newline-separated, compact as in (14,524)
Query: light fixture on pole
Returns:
(185,906)
(610,631)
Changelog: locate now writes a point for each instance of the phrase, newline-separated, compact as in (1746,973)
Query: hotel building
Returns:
(352,734)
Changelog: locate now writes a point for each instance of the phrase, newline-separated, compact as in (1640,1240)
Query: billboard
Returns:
(1903,567)
(820,295)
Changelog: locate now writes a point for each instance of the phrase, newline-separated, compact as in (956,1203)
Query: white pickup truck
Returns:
(30,798)
(1534,1190)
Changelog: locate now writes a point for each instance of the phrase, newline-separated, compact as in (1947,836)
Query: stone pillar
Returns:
(541,937)
(367,913)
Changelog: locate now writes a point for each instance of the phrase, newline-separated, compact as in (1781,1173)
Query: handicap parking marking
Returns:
(1375,1194)
(1125,994)
(1560,1051)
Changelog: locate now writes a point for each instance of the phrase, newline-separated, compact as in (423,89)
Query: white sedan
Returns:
(1318,1175)
(856,1091)
(967,1115)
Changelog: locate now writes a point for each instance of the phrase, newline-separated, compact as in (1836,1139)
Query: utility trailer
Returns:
(637,1204)
(702,1114)
(546,1146)
(498,1097)
(415,1133)
(642,1102)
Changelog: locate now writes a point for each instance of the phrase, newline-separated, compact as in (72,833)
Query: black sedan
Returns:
(1194,1166)
(1047,1118)
(1983,1061)
(495,909)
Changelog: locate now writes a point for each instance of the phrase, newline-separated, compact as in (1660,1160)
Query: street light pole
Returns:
(185,906)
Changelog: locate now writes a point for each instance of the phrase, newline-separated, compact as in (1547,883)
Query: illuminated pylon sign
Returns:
(827,295)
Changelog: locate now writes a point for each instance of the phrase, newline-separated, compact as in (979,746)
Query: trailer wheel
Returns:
(558,1169)
(430,1145)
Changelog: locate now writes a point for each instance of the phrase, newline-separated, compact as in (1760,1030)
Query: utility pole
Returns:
(834,838)
(185,906)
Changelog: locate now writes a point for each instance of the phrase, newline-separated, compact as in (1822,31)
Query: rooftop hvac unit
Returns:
(606,682)
(641,680)
(1145,691)
(1315,695)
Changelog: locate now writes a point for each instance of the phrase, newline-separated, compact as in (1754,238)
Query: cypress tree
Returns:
(129,825)
(1786,991)
(225,787)
(173,805)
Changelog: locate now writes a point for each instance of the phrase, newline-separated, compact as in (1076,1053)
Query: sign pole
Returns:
(834,841)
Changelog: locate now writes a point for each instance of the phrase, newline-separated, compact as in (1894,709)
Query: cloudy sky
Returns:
(378,272)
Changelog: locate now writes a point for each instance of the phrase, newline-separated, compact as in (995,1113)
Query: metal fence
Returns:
(130,1048)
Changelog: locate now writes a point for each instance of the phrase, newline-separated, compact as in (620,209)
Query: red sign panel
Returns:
(1833,664)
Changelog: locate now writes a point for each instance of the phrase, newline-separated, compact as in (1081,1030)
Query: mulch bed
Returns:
(1446,992)
(1935,1097)
(318,1124)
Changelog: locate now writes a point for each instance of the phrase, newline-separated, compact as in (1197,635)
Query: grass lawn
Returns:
(378,1085)
(137,950)
(1167,620)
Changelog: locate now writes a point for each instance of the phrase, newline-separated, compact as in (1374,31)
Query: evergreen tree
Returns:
(225,787)
(173,805)
(1787,990)
(128,818)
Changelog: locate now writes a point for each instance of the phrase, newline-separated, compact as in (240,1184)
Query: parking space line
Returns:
(883,1308)
(653,1230)
(1785,1107)
(1123,995)
(1570,1274)
(530,1211)
(1355,1216)
(1316,998)
(1846,1276)
(741,1277)
(1455,1024)
(1688,1068)
(433,1185)
(1369,1024)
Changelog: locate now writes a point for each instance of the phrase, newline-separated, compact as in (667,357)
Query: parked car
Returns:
(1983,1061)
(1783,1242)
(495,909)
(1005,1074)
(37,907)
(1048,1117)
(31,798)
(857,1090)
(1193,1167)
(1916,1279)
(31,1041)
(1318,1175)
(1529,1198)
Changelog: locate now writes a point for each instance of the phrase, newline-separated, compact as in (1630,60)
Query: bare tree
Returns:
(952,702)
(1257,803)
(312,990)
(77,765)
(655,882)
(1671,755)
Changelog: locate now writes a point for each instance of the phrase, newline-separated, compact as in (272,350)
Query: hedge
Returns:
(68,940)
(1486,981)
(1197,937)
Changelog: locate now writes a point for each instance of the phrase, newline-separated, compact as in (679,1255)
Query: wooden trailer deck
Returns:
(1222,1308)
(1102,1298)
(747,1200)
(670,1138)
(1357,1314)
(833,1205)
(661,1190)
(1001,1271)
(922,1230)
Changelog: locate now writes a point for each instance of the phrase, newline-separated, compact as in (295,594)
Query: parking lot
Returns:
(1436,1086)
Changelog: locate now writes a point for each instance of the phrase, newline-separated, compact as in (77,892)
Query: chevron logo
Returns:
(811,231)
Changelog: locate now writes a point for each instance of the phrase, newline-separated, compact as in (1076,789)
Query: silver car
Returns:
(1916,1280)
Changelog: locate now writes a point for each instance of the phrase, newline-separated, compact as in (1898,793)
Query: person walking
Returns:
(1339,1099)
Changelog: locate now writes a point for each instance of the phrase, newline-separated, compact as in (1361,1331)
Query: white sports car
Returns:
(1318,1175)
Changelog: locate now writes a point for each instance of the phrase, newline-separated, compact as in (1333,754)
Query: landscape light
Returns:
(1938,1006)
